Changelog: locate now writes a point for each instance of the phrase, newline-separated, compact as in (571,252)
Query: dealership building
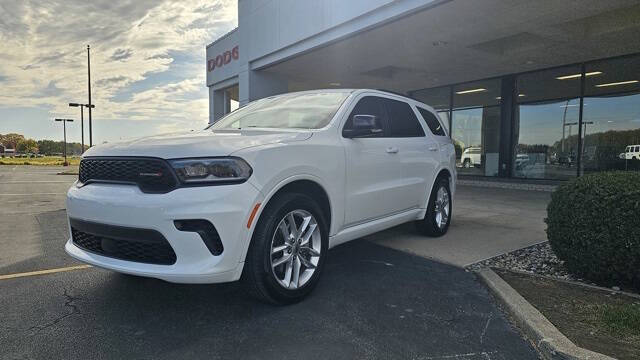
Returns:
(546,89)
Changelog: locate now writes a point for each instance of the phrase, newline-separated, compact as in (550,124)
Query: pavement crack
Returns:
(377,262)
(485,354)
(486,326)
(68,303)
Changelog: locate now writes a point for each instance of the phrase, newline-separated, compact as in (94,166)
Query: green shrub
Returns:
(593,224)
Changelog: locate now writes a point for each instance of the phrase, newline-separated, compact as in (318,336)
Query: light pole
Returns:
(64,126)
(82,106)
(89,89)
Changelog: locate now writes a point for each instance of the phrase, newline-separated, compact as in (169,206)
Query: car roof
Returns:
(354,91)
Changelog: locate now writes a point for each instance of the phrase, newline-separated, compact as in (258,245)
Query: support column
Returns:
(216,104)
(256,84)
(263,84)
(508,124)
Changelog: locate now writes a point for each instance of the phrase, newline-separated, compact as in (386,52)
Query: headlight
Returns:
(211,170)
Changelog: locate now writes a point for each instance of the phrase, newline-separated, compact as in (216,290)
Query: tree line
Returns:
(46,147)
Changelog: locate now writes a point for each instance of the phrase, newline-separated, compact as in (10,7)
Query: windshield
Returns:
(291,111)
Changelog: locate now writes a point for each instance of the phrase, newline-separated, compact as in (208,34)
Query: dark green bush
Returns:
(593,224)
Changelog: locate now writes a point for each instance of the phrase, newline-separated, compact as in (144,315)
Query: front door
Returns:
(375,184)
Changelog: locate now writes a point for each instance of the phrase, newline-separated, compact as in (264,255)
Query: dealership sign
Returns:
(223,59)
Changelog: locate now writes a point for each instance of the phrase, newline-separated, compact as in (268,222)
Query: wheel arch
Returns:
(305,184)
(308,187)
(442,172)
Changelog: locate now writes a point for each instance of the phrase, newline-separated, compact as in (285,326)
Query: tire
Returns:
(277,284)
(433,224)
(466,164)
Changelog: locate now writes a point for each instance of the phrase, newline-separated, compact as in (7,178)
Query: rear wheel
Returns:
(466,164)
(287,251)
(438,217)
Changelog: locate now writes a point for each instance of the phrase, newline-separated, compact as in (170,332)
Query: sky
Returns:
(147,65)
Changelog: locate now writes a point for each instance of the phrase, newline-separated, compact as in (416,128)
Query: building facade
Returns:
(527,89)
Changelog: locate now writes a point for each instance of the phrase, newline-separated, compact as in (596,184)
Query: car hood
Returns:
(196,143)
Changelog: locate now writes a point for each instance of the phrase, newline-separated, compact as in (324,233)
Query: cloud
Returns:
(50,59)
(50,90)
(121,54)
(159,56)
(153,50)
(112,80)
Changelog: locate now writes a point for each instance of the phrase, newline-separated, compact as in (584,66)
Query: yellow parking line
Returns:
(43,272)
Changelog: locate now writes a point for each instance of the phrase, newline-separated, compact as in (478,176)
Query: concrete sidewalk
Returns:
(486,222)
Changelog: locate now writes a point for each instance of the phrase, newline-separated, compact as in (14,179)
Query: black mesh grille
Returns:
(149,246)
(151,175)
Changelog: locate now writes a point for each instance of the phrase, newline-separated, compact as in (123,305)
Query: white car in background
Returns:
(262,194)
(521,160)
(632,152)
(471,156)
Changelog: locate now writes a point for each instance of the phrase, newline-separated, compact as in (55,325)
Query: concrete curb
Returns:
(548,340)
(506,185)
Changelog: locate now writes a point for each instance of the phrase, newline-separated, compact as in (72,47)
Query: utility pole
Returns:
(89,87)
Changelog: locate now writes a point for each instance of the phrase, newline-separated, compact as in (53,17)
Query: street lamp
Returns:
(82,106)
(64,125)
(89,91)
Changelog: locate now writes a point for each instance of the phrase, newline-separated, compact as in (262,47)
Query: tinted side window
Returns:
(368,105)
(402,120)
(432,122)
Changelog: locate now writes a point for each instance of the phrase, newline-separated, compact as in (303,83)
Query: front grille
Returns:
(132,244)
(151,175)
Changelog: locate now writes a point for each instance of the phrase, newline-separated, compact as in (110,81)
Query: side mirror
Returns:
(363,126)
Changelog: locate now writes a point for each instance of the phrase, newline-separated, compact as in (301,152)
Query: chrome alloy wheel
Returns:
(295,249)
(442,207)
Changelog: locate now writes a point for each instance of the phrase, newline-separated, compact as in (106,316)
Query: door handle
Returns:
(433,147)
(392,150)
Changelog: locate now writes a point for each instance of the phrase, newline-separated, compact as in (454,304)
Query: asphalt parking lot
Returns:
(372,303)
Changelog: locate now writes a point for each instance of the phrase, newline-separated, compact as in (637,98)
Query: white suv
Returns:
(632,152)
(471,157)
(262,194)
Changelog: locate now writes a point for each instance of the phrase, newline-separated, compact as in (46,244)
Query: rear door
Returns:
(417,151)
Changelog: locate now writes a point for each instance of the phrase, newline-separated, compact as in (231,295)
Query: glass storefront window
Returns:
(476,137)
(476,127)
(546,132)
(547,140)
(477,94)
(611,115)
(553,84)
(611,130)
(613,76)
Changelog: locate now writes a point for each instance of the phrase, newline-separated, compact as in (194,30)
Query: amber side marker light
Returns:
(253,215)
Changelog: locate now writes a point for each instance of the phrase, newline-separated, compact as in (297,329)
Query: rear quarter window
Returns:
(432,122)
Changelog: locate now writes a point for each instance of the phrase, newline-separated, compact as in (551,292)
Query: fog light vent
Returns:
(207,232)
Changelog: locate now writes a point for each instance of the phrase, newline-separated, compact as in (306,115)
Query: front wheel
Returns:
(438,217)
(287,250)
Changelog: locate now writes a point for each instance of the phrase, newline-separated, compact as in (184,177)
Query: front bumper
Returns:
(226,207)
